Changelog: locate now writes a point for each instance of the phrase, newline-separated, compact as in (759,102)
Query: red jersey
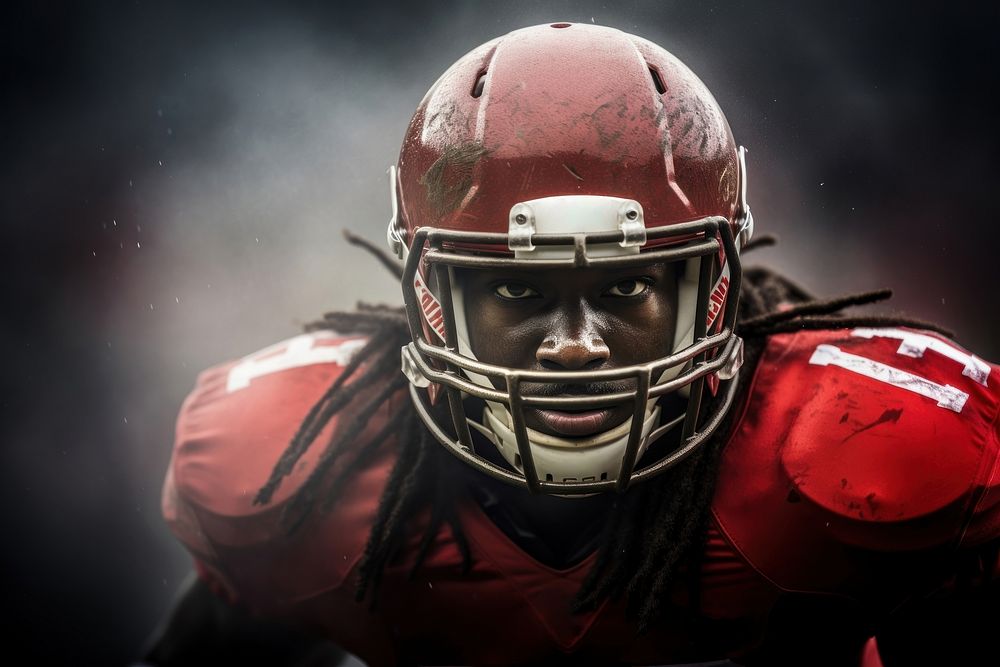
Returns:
(859,462)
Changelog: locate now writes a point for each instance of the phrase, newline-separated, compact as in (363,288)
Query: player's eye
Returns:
(515,291)
(631,287)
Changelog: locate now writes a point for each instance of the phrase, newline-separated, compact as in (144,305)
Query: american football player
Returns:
(591,436)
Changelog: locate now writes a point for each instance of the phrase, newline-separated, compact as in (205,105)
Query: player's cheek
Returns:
(499,338)
(645,331)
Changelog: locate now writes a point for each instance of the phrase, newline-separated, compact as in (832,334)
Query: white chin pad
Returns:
(596,458)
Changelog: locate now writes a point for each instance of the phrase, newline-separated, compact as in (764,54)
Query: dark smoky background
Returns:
(176,177)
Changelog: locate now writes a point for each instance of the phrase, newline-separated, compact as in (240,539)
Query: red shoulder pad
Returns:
(230,433)
(892,433)
(856,441)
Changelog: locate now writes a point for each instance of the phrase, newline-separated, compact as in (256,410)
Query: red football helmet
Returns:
(569,145)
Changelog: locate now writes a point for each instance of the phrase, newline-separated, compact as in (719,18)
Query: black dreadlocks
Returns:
(653,531)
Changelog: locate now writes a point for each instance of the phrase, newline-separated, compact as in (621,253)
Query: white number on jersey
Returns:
(293,353)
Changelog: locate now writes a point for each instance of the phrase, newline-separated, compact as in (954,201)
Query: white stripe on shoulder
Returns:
(946,396)
(914,345)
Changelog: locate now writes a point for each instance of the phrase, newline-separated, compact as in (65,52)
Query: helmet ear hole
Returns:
(477,89)
(657,80)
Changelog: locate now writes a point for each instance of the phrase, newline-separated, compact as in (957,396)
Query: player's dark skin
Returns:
(582,319)
(571,320)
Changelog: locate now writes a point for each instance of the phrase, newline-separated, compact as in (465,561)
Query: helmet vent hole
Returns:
(560,25)
(517,461)
(548,477)
(604,476)
(657,80)
(477,90)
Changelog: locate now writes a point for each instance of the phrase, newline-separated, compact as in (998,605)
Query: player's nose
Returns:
(582,348)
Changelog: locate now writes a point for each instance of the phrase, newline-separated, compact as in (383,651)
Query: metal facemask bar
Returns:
(425,362)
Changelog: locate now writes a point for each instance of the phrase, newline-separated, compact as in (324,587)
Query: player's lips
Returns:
(575,424)
(578,423)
